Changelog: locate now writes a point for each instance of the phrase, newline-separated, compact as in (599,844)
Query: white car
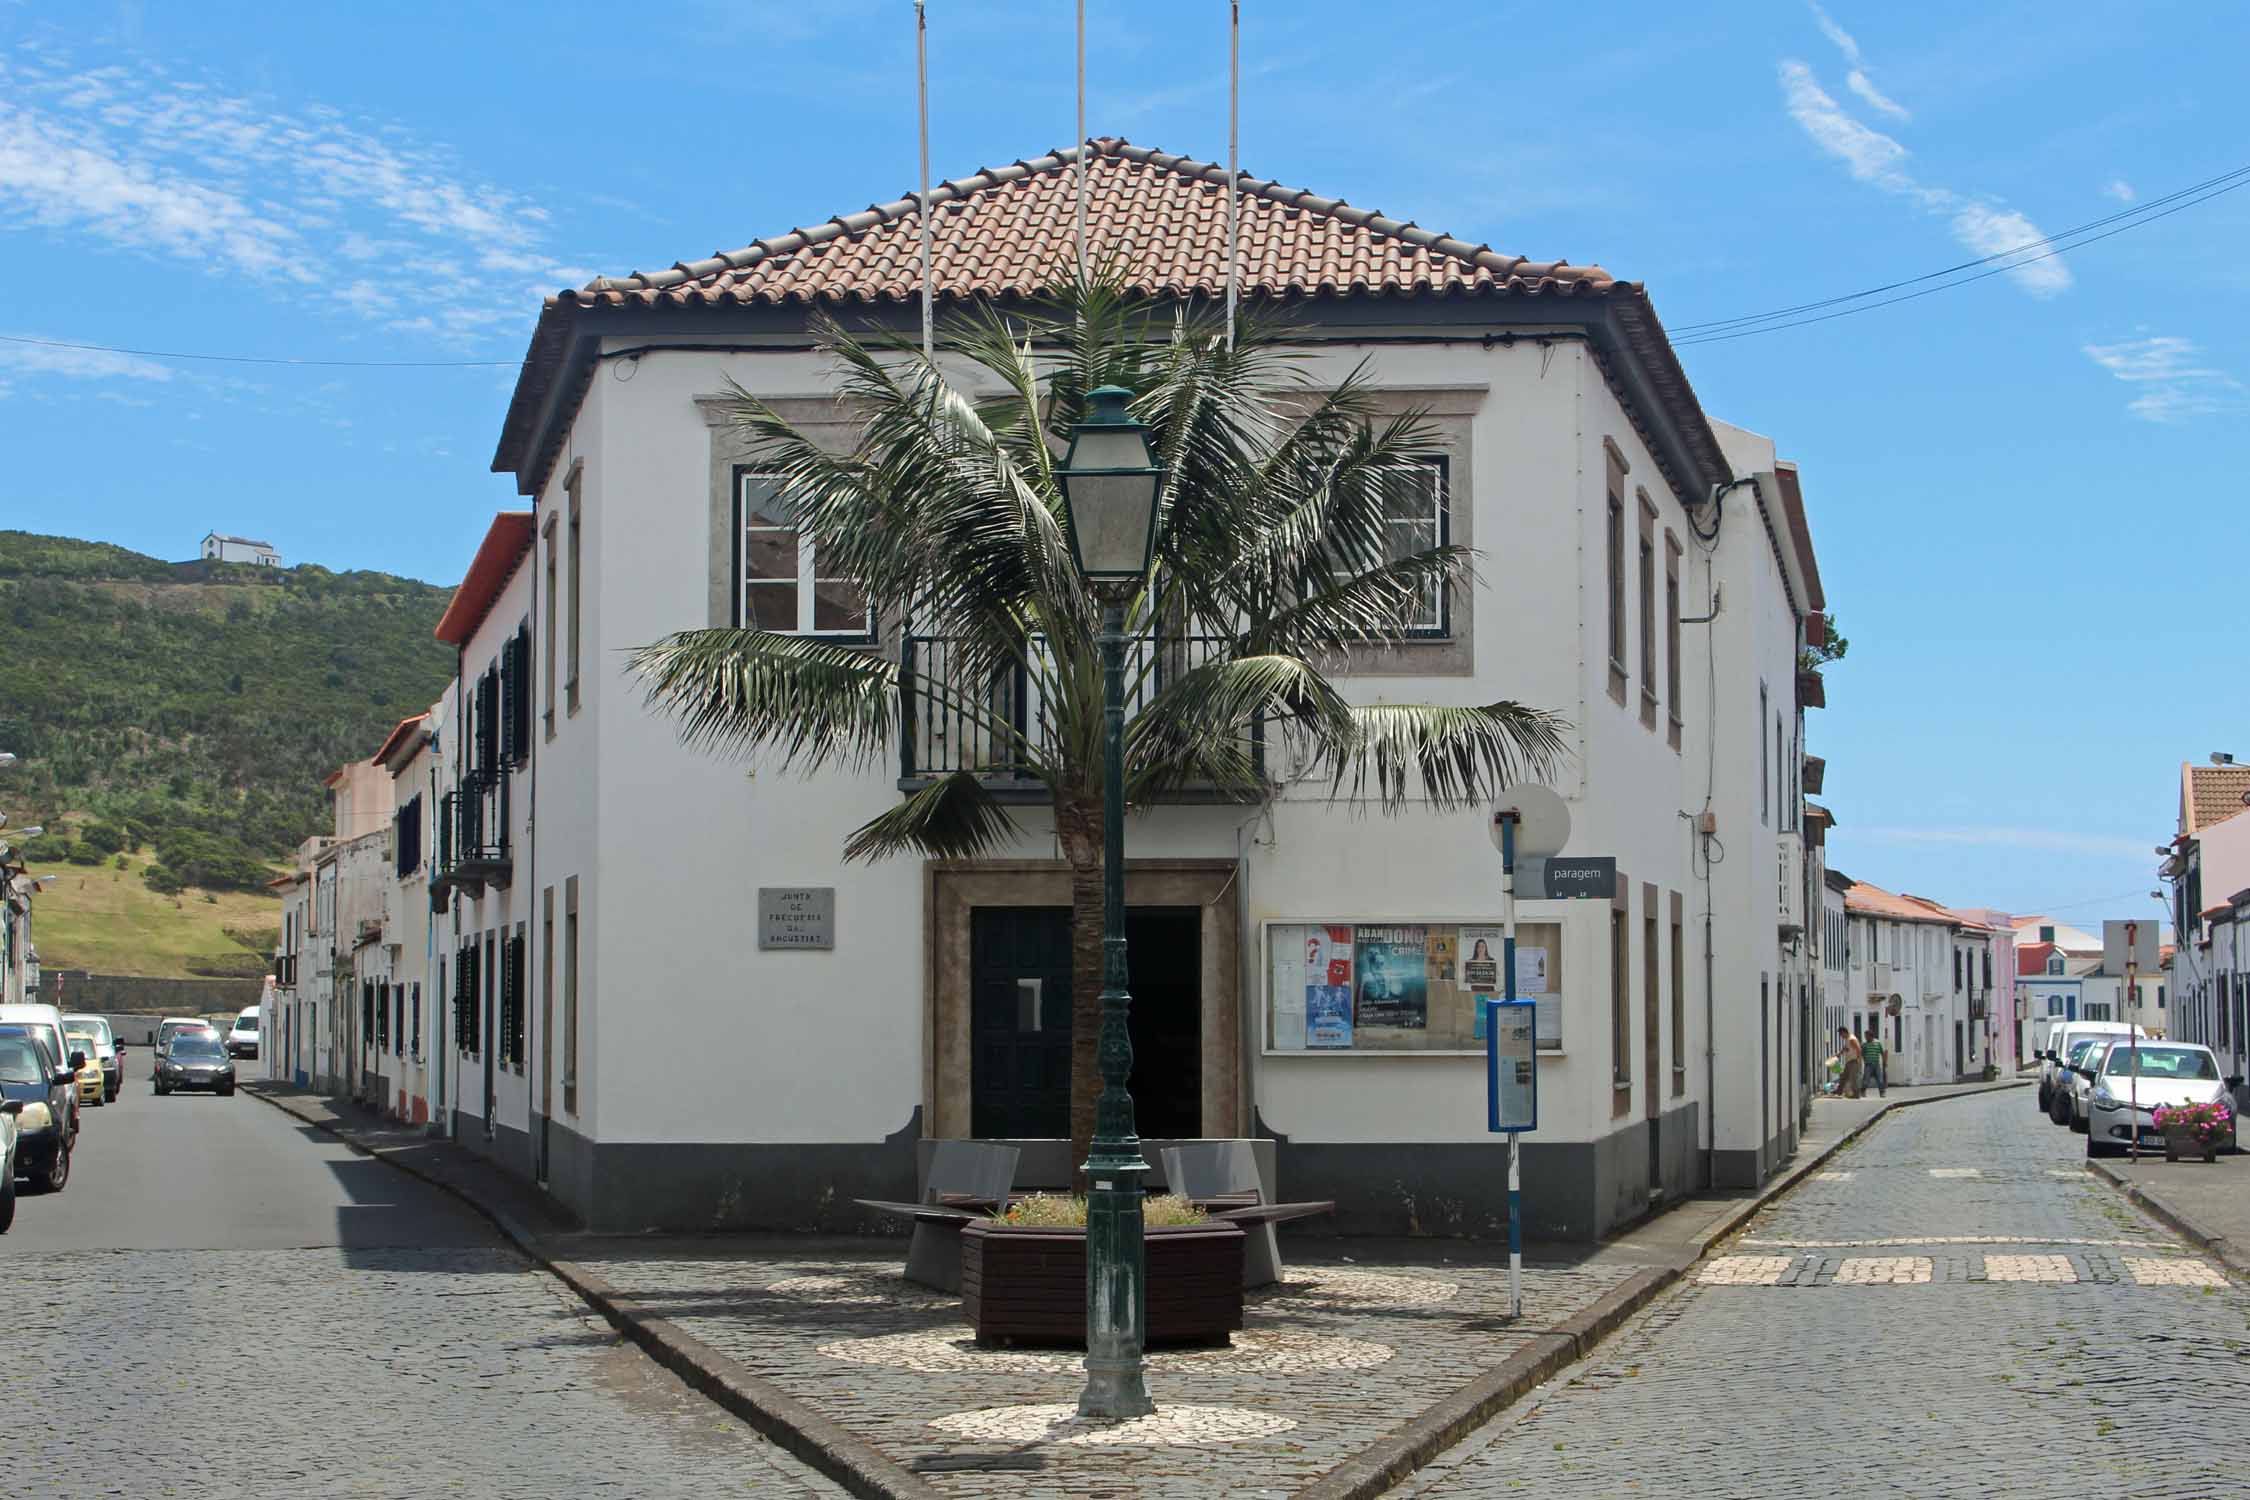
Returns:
(2072,1086)
(2054,1062)
(2126,1084)
(242,1040)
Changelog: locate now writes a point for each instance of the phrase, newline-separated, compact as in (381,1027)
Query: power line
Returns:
(2057,243)
(260,359)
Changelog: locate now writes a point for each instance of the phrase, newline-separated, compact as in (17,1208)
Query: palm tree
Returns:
(1277,555)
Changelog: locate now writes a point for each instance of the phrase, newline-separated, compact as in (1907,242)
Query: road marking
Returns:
(1952,1239)
(2029,1268)
(1955,1172)
(2066,1172)
(2180,1272)
(1746,1270)
(1832,1176)
(1884,1270)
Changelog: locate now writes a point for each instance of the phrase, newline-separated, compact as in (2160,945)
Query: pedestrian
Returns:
(1848,1049)
(1877,1058)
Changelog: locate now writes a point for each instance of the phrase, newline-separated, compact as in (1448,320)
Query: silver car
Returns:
(2126,1084)
(8,1133)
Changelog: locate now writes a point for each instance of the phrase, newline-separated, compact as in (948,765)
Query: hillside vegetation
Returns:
(183,715)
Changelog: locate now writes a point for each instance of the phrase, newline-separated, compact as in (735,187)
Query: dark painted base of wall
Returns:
(1577,1190)
(1749,1169)
(508,1146)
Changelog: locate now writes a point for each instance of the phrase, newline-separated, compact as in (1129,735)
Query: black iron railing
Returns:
(951,723)
(473,833)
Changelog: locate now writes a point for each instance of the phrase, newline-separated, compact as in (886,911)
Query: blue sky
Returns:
(2023,491)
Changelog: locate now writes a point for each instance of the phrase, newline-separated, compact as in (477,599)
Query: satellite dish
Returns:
(1542,820)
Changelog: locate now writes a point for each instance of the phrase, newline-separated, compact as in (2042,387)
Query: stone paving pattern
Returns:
(2131,1377)
(1331,1360)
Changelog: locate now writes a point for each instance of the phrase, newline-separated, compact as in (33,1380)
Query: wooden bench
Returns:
(968,1180)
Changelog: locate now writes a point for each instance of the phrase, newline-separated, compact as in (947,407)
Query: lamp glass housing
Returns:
(1110,480)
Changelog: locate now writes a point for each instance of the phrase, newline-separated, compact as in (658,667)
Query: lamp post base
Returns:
(1116,1286)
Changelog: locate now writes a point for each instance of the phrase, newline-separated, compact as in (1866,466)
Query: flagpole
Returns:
(1081,163)
(922,86)
(1234,168)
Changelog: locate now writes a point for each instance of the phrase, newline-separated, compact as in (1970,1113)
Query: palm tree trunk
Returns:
(1078,821)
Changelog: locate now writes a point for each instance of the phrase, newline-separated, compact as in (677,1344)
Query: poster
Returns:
(1328,1016)
(1394,987)
(1531,971)
(1445,953)
(1288,954)
(1481,948)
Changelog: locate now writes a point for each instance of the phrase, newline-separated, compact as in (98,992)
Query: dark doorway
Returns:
(1020,1023)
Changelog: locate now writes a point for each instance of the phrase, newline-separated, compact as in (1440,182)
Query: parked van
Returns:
(242,1040)
(2055,1083)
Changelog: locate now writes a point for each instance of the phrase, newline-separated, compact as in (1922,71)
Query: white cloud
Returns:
(2170,378)
(2120,189)
(1845,42)
(136,160)
(1857,79)
(79,364)
(2057,840)
(1875,158)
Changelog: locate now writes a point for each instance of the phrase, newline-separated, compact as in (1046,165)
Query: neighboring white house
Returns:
(616,1023)
(219,547)
(1910,975)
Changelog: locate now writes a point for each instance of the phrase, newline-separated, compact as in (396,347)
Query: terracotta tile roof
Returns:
(1009,232)
(407,732)
(2031,960)
(2213,794)
(495,563)
(1874,901)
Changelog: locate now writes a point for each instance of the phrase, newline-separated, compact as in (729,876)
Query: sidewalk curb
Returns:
(789,1423)
(2216,1245)
(1380,1466)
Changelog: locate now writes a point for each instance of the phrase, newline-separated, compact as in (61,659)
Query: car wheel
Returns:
(162,1089)
(57,1175)
(226,1091)
(2078,1127)
(2046,1098)
(7,1202)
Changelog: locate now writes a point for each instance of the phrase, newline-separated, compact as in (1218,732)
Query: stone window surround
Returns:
(952,889)
(1450,410)
(1645,595)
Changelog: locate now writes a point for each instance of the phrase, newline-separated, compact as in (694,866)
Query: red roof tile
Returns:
(502,548)
(403,734)
(2031,959)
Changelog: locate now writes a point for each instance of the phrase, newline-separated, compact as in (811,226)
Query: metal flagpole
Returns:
(922,83)
(1080,175)
(1234,187)
(1508,992)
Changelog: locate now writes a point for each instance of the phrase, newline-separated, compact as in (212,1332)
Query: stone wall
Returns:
(79,991)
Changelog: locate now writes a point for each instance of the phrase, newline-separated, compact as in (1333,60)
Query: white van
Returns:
(242,1041)
(2056,1086)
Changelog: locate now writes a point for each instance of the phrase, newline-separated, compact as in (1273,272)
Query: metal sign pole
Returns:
(2133,1041)
(1508,992)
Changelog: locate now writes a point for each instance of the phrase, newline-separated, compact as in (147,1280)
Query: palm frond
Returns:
(1372,608)
(748,691)
(1200,728)
(954,817)
(1451,757)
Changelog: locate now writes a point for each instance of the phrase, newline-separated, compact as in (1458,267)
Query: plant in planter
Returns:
(1023,1273)
(2195,1129)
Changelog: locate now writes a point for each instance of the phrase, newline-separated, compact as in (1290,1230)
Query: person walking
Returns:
(1876,1059)
(1849,1050)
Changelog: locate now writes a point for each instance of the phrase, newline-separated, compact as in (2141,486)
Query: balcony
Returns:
(473,847)
(942,723)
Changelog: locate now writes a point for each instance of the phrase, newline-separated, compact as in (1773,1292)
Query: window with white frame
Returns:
(1414,522)
(779,584)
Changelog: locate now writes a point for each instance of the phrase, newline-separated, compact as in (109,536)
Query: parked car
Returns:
(9,1109)
(46,1023)
(195,1060)
(106,1048)
(40,1087)
(242,1041)
(2071,1086)
(2054,1062)
(92,1088)
(2128,1083)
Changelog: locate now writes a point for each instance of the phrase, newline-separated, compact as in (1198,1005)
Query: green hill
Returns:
(192,709)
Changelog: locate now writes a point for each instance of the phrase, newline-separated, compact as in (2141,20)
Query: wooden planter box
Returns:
(1028,1286)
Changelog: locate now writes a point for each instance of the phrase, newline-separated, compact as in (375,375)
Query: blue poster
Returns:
(1393,976)
(1328,1015)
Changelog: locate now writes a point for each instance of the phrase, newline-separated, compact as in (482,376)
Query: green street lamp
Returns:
(1110,479)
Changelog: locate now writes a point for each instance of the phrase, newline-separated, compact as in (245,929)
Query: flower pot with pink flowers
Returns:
(2195,1131)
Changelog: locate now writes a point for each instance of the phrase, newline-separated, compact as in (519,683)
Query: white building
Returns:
(219,547)
(1918,973)
(616,1029)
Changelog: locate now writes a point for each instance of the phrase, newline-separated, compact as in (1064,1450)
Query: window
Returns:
(1620,997)
(467,960)
(1957,968)
(574,615)
(1765,760)
(2054,963)
(406,836)
(2160,997)
(484,758)
(414,1037)
(1988,968)
(570,995)
(1648,611)
(513,701)
(779,585)
(1416,522)
(398,1020)
(547,623)
(509,1037)
(1616,555)
(1679,1001)
(366,1010)
(1672,635)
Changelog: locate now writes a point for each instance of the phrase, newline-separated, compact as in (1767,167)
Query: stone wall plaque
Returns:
(796,916)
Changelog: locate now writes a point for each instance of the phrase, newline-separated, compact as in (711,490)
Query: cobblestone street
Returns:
(1955,1307)
(223,1304)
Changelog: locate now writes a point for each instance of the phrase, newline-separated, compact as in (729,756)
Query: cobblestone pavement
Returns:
(353,1361)
(1330,1361)
(1956,1307)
